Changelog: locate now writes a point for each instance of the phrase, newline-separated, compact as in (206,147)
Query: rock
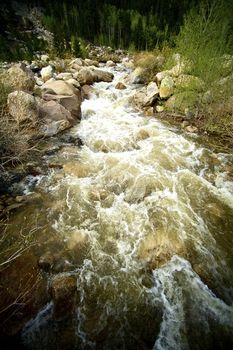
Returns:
(184,124)
(138,98)
(39,81)
(52,110)
(54,127)
(89,62)
(191,128)
(21,78)
(161,75)
(60,87)
(71,103)
(44,58)
(22,106)
(64,76)
(159,109)
(189,82)
(63,291)
(87,90)
(76,62)
(74,82)
(182,101)
(76,169)
(137,76)
(110,63)
(149,112)
(46,261)
(85,76)
(167,87)
(101,75)
(46,73)
(120,86)
(152,93)
(142,135)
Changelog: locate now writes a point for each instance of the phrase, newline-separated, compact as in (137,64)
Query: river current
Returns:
(149,212)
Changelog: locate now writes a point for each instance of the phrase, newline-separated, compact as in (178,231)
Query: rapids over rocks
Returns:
(145,217)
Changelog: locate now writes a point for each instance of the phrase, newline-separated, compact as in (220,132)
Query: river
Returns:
(145,214)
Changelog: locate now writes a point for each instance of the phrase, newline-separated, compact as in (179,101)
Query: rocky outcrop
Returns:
(21,78)
(120,86)
(22,106)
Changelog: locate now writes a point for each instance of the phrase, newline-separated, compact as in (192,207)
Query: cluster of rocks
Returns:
(51,94)
(161,94)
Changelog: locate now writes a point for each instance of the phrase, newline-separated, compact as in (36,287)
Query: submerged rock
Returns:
(63,291)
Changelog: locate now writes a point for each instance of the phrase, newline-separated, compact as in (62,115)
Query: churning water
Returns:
(151,212)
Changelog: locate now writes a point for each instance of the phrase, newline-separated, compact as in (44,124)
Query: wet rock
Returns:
(22,106)
(120,86)
(142,134)
(149,112)
(101,75)
(46,73)
(167,87)
(60,87)
(34,169)
(76,169)
(87,90)
(71,103)
(46,261)
(137,76)
(55,166)
(20,77)
(63,291)
(110,63)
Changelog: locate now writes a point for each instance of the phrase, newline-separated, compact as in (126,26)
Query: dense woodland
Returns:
(128,24)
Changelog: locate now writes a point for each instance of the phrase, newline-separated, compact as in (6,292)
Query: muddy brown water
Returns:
(141,215)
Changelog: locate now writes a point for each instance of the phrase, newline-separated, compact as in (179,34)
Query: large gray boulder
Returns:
(46,73)
(21,77)
(152,93)
(22,106)
(71,103)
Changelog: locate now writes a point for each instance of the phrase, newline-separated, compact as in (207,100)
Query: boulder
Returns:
(181,101)
(63,291)
(110,63)
(152,93)
(46,73)
(101,75)
(64,76)
(46,261)
(76,169)
(161,75)
(74,82)
(76,62)
(89,62)
(159,109)
(138,98)
(85,76)
(52,128)
(22,106)
(167,87)
(71,103)
(52,110)
(137,76)
(21,78)
(120,86)
(87,90)
(60,87)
